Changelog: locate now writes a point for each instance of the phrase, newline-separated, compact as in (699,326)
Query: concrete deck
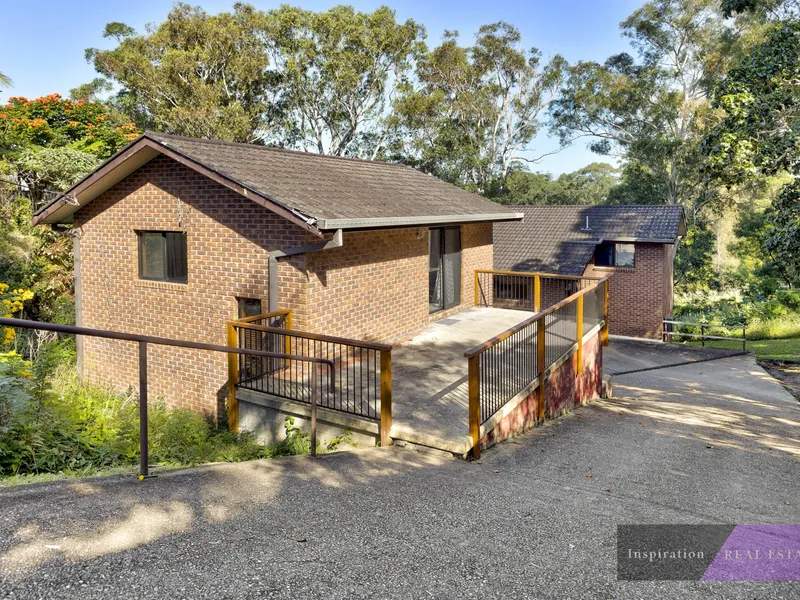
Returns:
(429,378)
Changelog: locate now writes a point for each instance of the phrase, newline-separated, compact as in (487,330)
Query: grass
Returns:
(786,350)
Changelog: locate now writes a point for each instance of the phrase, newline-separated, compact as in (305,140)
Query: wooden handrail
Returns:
(275,313)
(512,330)
(313,336)
(535,273)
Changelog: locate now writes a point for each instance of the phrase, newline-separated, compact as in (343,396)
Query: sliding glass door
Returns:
(444,270)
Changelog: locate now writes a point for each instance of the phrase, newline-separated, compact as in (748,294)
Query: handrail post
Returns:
(474,379)
(386,398)
(604,333)
(579,332)
(477,289)
(313,410)
(288,339)
(537,293)
(540,360)
(144,458)
(233,379)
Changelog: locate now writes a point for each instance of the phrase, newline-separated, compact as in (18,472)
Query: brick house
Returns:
(174,236)
(636,245)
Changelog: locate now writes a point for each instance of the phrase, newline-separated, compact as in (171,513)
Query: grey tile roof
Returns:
(326,187)
(555,239)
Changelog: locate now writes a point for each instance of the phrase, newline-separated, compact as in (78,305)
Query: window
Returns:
(614,255)
(249,307)
(162,256)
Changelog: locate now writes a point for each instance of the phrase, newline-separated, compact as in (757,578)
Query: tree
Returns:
(52,122)
(758,135)
(5,80)
(475,110)
(194,74)
(651,111)
(338,71)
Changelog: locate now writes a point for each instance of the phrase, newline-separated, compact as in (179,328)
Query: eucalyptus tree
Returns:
(338,72)
(651,110)
(194,74)
(473,111)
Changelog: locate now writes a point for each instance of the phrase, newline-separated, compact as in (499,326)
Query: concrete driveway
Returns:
(712,442)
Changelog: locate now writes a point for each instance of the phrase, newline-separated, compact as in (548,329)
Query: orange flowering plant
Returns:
(52,121)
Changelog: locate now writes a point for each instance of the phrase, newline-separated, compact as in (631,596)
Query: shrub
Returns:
(50,422)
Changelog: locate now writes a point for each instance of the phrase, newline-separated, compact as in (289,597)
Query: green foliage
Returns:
(52,122)
(591,184)
(475,109)
(694,267)
(194,74)
(50,422)
(338,70)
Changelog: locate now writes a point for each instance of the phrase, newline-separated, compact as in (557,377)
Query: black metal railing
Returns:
(362,382)
(525,291)
(143,342)
(507,368)
(504,366)
(560,332)
(683,331)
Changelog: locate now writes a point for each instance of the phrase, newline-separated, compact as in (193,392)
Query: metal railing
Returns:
(669,332)
(363,377)
(525,291)
(144,340)
(507,364)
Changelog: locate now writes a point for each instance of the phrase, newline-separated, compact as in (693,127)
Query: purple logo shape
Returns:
(758,553)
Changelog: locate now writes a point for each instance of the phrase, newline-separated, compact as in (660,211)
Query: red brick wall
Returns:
(638,295)
(373,288)
(228,240)
(563,392)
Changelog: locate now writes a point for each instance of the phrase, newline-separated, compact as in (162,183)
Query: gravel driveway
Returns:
(713,442)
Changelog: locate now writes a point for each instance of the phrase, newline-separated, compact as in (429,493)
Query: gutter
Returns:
(336,242)
(328,224)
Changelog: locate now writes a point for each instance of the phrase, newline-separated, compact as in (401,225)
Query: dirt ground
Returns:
(785,372)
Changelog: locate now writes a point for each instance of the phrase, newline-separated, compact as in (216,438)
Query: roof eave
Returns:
(383,222)
(638,240)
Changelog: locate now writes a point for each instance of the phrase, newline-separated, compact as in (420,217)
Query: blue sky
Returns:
(42,42)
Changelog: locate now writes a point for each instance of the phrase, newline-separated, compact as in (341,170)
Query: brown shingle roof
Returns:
(554,239)
(329,192)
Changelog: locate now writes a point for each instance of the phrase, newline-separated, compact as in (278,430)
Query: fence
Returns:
(144,340)
(524,291)
(506,365)
(691,327)
(360,384)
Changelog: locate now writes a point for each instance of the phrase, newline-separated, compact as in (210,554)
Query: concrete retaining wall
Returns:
(266,415)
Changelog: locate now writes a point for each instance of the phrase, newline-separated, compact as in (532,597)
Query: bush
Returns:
(50,422)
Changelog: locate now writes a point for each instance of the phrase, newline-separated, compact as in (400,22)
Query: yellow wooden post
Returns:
(540,358)
(288,340)
(233,379)
(604,332)
(386,397)
(477,290)
(474,379)
(537,293)
(579,323)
